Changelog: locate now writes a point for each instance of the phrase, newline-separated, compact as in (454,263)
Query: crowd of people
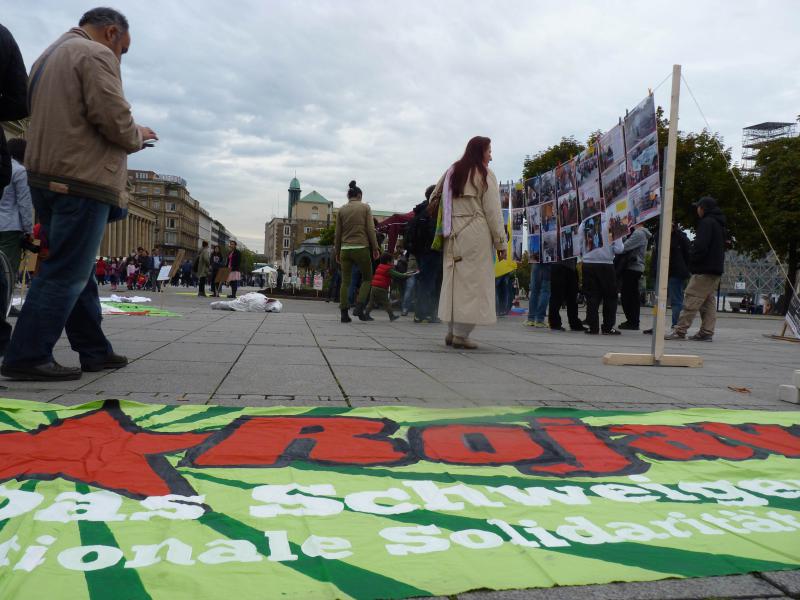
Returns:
(73,172)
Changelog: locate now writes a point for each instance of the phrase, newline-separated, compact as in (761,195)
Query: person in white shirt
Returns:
(600,281)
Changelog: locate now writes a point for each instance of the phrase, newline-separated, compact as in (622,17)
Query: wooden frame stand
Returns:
(657,356)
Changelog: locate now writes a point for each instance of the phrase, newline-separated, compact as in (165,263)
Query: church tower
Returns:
(294,195)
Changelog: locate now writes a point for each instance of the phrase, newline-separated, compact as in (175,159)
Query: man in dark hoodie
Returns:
(706,263)
(418,241)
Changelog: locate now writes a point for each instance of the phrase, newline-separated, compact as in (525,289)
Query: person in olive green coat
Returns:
(355,243)
(203,266)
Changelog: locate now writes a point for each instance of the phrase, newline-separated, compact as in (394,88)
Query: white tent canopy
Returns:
(265,270)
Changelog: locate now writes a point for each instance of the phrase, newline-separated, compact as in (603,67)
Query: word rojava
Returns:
(294,500)
(128,459)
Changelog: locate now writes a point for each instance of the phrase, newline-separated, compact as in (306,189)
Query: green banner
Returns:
(124,501)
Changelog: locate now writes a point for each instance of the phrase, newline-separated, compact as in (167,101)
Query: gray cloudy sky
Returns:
(243,94)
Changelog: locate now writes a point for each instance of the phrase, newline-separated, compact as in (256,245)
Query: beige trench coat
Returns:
(468,284)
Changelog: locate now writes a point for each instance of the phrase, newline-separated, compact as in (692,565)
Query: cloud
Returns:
(243,95)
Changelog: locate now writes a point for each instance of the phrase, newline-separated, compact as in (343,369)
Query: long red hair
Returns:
(469,164)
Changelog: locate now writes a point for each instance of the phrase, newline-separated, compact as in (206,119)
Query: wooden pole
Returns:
(657,356)
(665,231)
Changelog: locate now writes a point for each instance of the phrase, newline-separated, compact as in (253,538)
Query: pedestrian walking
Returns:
(203,268)
(419,237)
(355,245)
(100,271)
(216,262)
(156,260)
(466,201)
(234,264)
(80,134)
(539,296)
(114,274)
(16,208)
(381,282)
(706,263)
(600,281)
(634,248)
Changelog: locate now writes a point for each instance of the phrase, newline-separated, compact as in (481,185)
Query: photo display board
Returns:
(596,197)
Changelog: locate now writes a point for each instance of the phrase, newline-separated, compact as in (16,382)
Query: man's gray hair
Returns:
(104,17)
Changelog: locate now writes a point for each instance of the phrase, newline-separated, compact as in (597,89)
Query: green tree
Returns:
(543,161)
(326,235)
(776,201)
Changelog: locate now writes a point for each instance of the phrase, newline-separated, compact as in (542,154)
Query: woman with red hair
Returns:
(470,231)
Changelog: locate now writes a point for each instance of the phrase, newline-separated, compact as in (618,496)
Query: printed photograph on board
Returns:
(547,186)
(505,195)
(517,218)
(643,161)
(620,219)
(549,247)
(640,123)
(587,167)
(565,177)
(534,246)
(516,246)
(549,217)
(645,199)
(592,233)
(532,191)
(569,242)
(589,199)
(518,196)
(615,183)
(568,209)
(612,148)
(534,220)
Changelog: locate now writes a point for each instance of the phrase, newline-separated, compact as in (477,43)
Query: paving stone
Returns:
(173,383)
(735,586)
(188,351)
(365,358)
(291,355)
(366,381)
(786,581)
(280,379)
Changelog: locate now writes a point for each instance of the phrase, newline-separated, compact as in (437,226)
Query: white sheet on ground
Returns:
(250,302)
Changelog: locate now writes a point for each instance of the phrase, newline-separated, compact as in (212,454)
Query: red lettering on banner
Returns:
(672,442)
(103,448)
(774,438)
(272,441)
(590,454)
(478,444)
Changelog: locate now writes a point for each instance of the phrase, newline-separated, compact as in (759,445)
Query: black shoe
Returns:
(557,329)
(392,317)
(590,332)
(647,332)
(629,326)
(201,295)
(112,361)
(611,331)
(346,316)
(51,371)
(702,337)
(231,296)
(581,328)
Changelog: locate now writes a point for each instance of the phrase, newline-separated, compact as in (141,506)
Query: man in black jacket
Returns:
(420,234)
(706,263)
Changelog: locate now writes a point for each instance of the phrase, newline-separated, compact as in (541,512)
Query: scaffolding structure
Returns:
(755,136)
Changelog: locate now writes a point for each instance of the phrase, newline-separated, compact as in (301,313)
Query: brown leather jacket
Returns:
(355,227)
(81,128)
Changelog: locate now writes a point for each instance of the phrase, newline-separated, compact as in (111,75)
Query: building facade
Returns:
(121,238)
(307,215)
(177,214)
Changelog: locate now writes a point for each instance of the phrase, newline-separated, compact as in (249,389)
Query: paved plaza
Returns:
(304,356)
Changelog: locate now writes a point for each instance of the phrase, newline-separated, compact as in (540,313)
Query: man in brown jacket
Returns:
(80,136)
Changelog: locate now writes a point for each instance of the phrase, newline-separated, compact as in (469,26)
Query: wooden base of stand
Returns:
(647,360)
(783,338)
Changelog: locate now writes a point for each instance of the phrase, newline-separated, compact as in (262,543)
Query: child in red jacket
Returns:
(381,281)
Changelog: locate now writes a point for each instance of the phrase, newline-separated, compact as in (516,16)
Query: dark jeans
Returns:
(335,285)
(359,257)
(675,287)
(600,285)
(428,286)
(539,295)
(64,294)
(564,289)
(202,289)
(631,304)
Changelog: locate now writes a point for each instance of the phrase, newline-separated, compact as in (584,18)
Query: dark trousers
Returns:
(428,286)
(335,285)
(202,290)
(600,285)
(64,293)
(379,298)
(564,289)
(631,305)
